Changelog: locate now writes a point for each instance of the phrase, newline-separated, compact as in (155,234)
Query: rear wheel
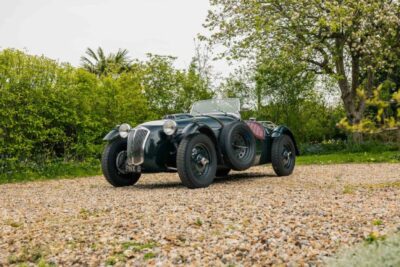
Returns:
(283,155)
(113,165)
(196,161)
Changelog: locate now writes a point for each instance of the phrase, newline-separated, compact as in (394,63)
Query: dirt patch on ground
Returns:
(248,218)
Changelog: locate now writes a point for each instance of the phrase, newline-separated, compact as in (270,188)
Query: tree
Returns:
(100,64)
(201,62)
(161,83)
(347,40)
(284,84)
(195,86)
(240,84)
(283,92)
(170,90)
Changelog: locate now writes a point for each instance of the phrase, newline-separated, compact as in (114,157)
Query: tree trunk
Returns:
(354,112)
(347,92)
(354,107)
(258,92)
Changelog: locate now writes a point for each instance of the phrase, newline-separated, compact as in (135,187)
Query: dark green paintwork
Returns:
(113,134)
(160,149)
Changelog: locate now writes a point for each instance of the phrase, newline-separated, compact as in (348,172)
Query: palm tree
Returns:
(121,59)
(100,64)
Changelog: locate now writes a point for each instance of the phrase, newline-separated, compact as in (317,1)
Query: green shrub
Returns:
(51,169)
(53,116)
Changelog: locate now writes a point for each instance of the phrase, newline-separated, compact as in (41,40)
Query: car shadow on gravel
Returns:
(236,177)
(159,185)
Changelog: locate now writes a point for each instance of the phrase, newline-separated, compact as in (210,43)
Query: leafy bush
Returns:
(52,113)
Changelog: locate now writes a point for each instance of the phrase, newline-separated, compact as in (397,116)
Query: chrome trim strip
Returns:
(130,142)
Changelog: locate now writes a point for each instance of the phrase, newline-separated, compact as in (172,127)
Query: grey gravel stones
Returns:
(248,218)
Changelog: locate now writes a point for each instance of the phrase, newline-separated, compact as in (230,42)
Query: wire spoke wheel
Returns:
(287,156)
(120,161)
(200,160)
(113,165)
(240,146)
(196,161)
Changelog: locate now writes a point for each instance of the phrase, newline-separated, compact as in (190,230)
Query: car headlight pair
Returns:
(169,128)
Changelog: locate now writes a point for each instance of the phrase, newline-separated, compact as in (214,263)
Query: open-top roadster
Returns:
(209,141)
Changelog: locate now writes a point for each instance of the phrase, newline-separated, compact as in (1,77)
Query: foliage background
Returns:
(53,116)
(52,112)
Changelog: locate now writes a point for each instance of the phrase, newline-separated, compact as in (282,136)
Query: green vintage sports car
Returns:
(209,141)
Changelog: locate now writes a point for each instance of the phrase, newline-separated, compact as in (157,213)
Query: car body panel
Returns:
(112,135)
(160,149)
(279,130)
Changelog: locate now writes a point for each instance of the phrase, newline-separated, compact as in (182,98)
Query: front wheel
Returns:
(283,155)
(113,165)
(196,161)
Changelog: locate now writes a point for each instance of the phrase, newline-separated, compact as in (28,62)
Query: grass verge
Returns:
(344,157)
(53,170)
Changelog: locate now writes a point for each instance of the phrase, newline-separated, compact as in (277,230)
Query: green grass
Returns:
(377,222)
(149,255)
(138,246)
(346,157)
(376,250)
(53,170)
(198,222)
(30,254)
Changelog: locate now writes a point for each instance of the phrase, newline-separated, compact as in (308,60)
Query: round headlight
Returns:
(124,130)
(169,127)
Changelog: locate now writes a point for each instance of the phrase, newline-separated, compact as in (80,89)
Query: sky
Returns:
(63,29)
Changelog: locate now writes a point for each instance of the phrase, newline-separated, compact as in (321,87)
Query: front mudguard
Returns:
(112,135)
(190,129)
(204,129)
(280,130)
(199,128)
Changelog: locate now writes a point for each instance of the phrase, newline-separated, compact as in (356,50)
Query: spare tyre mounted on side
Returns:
(238,145)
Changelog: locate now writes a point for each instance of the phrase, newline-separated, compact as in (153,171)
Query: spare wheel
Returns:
(238,145)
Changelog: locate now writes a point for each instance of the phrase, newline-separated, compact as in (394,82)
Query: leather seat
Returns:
(257,129)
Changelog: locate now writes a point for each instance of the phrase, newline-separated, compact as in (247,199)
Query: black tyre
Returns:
(114,156)
(222,172)
(196,161)
(238,146)
(283,155)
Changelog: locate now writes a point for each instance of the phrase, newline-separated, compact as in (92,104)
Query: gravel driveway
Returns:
(249,218)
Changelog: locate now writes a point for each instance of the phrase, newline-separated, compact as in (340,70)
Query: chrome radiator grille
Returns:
(136,141)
